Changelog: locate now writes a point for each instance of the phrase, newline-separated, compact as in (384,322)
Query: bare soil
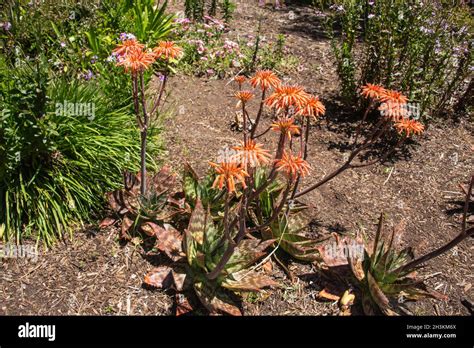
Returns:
(94,274)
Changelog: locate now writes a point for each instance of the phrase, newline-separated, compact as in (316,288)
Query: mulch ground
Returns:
(94,274)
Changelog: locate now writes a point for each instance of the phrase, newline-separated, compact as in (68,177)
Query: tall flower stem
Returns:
(160,95)
(263,133)
(259,115)
(136,100)
(304,151)
(276,212)
(364,117)
(247,198)
(143,134)
(244,117)
(377,132)
(226,218)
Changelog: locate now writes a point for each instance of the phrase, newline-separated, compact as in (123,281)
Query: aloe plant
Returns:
(383,287)
(286,231)
(195,189)
(136,212)
(287,228)
(195,253)
(387,276)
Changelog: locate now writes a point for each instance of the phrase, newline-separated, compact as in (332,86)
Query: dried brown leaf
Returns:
(107,222)
(324,294)
(182,305)
(127,223)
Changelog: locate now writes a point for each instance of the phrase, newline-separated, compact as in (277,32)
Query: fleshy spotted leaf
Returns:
(190,183)
(197,223)
(107,222)
(379,297)
(248,281)
(169,241)
(298,246)
(196,228)
(182,280)
(357,268)
(247,253)
(160,277)
(216,301)
(223,303)
(151,229)
(182,305)
(127,223)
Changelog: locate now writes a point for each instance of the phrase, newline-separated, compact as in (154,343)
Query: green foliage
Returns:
(196,9)
(287,228)
(383,286)
(210,53)
(151,23)
(142,213)
(421,48)
(203,245)
(228,8)
(58,162)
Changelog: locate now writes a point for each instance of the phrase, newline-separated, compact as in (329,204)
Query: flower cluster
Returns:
(231,46)
(290,104)
(211,52)
(393,106)
(292,165)
(228,174)
(251,154)
(200,45)
(134,57)
(265,79)
(126,36)
(243,97)
(168,50)
(183,22)
(286,126)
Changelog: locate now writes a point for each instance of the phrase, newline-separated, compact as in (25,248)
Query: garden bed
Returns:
(94,274)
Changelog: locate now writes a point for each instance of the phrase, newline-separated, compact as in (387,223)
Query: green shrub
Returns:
(57,161)
(197,9)
(209,51)
(421,48)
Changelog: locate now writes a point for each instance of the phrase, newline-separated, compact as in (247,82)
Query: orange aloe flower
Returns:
(137,60)
(167,50)
(127,47)
(371,91)
(293,165)
(287,96)
(251,154)
(393,110)
(286,126)
(389,95)
(243,97)
(240,79)
(227,174)
(265,79)
(313,108)
(409,126)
